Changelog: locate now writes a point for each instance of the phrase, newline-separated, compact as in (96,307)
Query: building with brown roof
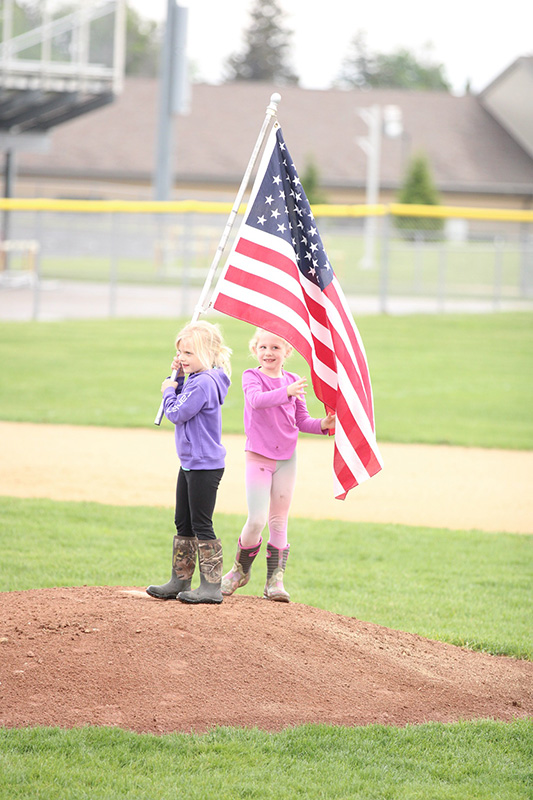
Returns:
(480,148)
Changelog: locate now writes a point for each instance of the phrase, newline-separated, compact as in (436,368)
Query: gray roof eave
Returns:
(143,176)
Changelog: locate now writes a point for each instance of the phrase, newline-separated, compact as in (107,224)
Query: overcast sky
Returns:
(475,41)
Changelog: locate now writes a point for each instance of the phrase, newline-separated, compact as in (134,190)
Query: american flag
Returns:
(278,277)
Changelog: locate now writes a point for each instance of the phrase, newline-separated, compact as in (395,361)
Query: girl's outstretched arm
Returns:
(255,395)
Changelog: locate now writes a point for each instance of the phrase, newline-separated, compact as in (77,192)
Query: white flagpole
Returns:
(270,114)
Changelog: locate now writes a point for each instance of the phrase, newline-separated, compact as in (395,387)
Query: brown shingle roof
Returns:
(468,150)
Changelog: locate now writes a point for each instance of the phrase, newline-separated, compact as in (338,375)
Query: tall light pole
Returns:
(173,94)
(388,121)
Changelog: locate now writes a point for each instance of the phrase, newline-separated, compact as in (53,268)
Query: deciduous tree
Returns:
(401,69)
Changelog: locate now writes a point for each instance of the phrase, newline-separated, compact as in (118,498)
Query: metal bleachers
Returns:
(54,68)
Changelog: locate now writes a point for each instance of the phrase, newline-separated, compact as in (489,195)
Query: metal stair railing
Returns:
(15,71)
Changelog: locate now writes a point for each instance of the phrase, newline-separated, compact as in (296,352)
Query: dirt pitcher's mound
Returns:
(114,656)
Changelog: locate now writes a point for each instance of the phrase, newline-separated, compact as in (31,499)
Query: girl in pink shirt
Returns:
(274,413)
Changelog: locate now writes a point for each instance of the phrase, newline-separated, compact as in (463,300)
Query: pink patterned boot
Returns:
(239,575)
(276,563)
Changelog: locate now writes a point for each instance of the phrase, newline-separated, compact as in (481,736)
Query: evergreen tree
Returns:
(357,66)
(266,54)
(311,183)
(400,69)
(419,189)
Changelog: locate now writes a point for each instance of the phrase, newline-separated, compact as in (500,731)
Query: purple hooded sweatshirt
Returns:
(196,412)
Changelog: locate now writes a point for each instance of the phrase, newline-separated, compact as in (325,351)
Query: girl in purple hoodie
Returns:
(193,403)
(274,413)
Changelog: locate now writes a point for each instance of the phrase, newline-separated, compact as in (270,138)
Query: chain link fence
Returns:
(68,259)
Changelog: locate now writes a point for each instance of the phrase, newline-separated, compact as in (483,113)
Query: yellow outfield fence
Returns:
(204,207)
(88,258)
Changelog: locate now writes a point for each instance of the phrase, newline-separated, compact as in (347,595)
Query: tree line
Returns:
(265,55)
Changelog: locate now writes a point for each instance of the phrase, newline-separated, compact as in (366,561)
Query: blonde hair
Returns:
(208,345)
(252,344)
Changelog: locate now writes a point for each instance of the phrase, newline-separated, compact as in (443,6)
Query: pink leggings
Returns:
(269,489)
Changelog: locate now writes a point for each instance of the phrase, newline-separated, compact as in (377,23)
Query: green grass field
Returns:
(459,380)
(465,761)
(463,380)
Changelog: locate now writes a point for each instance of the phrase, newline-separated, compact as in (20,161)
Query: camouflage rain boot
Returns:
(183,564)
(239,575)
(210,563)
(276,563)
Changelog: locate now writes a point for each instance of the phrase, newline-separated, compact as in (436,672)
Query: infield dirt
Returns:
(114,656)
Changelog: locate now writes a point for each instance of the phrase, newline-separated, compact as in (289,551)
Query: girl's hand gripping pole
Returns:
(159,416)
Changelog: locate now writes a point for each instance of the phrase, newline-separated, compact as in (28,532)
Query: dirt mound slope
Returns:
(114,656)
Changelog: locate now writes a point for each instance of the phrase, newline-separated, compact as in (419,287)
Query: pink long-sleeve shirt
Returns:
(272,420)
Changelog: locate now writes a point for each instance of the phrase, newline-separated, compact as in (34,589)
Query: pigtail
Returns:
(222,359)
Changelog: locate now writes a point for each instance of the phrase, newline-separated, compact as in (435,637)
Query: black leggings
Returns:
(196,494)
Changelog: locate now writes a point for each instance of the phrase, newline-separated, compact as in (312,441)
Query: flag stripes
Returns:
(277,277)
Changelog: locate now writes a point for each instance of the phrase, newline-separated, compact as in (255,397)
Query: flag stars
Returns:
(281,209)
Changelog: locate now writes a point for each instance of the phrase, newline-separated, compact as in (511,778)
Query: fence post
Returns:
(418,262)
(189,220)
(498,272)
(37,277)
(526,261)
(113,265)
(384,262)
(441,285)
